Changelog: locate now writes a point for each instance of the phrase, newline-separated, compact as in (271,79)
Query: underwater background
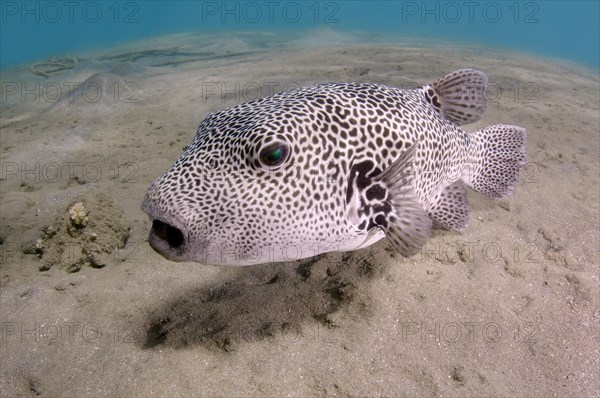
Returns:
(32,30)
(99,98)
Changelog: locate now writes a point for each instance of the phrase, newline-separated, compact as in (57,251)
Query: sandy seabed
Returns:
(510,307)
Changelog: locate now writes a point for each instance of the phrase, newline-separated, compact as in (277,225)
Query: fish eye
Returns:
(274,154)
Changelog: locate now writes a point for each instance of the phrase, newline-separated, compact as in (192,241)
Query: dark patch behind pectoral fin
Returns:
(408,225)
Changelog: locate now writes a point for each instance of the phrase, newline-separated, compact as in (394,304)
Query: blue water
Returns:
(34,30)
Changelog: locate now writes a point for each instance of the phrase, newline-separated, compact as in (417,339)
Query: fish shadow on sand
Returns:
(271,301)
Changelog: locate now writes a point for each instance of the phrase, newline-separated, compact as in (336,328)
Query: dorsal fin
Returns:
(459,96)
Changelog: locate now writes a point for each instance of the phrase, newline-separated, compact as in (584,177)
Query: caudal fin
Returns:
(496,156)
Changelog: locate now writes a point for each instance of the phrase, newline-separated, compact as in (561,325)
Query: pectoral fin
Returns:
(407,225)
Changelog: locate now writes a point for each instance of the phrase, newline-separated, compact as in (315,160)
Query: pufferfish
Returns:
(333,167)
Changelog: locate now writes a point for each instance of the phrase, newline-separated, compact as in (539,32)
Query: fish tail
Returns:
(496,155)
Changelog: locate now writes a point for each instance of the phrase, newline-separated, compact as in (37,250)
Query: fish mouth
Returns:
(167,235)
(167,240)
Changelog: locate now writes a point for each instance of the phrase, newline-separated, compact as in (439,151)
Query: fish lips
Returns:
(168,236)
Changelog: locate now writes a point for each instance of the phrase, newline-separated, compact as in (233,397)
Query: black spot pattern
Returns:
(496,156)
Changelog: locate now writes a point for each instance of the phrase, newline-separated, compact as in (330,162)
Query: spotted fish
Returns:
(334,167)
